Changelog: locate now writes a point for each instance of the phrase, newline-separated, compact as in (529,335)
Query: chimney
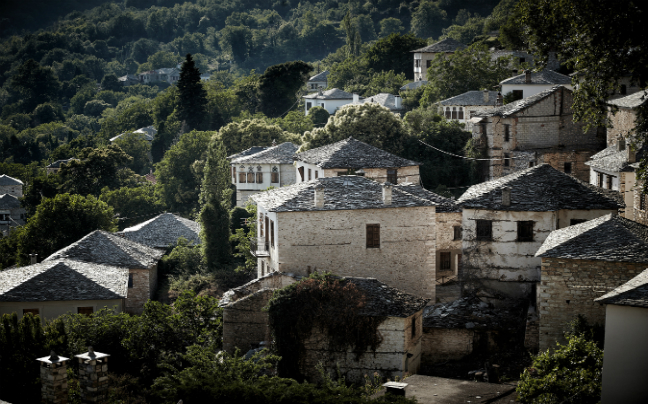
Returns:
(356,98)
(621,144)
(93,376)
(527,76)
(397,101)
(387,193)
(319,91)
(319,195)
(274,142)
(631,155)
(506,196)
(500,100)
(33,258)
(486,96)
(53,375)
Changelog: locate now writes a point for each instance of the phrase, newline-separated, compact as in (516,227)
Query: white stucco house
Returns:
(423,57)
(320,80)
(330,100)
(531,83)
(393,102)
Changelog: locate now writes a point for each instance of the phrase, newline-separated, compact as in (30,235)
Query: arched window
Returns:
(250,175)
(242,177)
(454,112)
(447,113)
(461,116)
(259,176)
(274,176)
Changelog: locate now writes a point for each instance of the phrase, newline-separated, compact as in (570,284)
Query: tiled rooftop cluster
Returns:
(8,201)
(612,159)
(280,154)
(163,230)
(471,98)
(473,313)
(63,279)
(607,238)
(332,94)
(542,77)
(633,293)
(340,193)
(102,247)
(517,106)
(385,301)
(446,45)
(540,189)
(7,180)
(352,153)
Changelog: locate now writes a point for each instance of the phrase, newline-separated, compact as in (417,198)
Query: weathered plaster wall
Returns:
(569,287)
(335,241)
(445,241)
(623,123)
(245,323)
(54,309)
(440,344)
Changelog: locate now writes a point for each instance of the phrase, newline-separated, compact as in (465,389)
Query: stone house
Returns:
(128,80)
(535,130)
(463,107)
(505,221)
(351,156)
(254,171)
(331,100)
(622,114)
(11,186)
(11,213)
(163,230)
(349,226)
(392,102)
(401,331)
(423,57)
(581,263)
(626,331)
(320,80)
(55,287)
(101,247)
(55,167)
(531,83)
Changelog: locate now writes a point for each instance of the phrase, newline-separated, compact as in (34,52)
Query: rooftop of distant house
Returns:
(519,105)
(63,279)
(279,154)
(7,180)
(322,76)
(633,293)
(447,45)
(631,101)
(352,153)
(8,201)
(544,77)
(472,98)
(414,85)
(332,94)
(384,99)
(163,230)
(147,133)
(58,163)
(247,152)
(540,189)
(607,238)
(106,248)
(613,159)
(386,301)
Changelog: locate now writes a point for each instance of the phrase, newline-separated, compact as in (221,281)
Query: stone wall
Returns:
(623,123)
(140,293)
(404,174)
(15,190)
(441,344)
(569,287)
(335,241)
(245,323)
(639,215)
(446,243)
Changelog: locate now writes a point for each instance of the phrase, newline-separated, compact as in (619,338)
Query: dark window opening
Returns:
(522,60)
(316,174)
(457,232)
(532,164)
(428,63)
(250,178)
(461,113)
(610,180)
(518,95)
(130,281)
(274,176)
(624,89)
(576,221)
(568,168)
(309,174)
(413,327)
(448,114)
(484,230)
(454,112)
(242,178)
(484,129)
(392,176)
(309,105)
(507,161)
(85,310)
(507,133)
(234,173)
(373,236)
(272,233)
(525,231)
(445,261)
(599,181)
(259,178)
(301,173)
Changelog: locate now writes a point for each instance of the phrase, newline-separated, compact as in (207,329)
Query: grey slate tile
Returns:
(163,230)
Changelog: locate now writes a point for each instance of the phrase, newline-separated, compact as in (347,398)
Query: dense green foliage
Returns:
(192,97)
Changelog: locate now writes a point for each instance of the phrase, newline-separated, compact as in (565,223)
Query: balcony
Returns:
(259,247)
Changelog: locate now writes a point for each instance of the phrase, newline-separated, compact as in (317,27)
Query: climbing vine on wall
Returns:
(333,305)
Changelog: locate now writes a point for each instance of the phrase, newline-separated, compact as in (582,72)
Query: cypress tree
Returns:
(192,102)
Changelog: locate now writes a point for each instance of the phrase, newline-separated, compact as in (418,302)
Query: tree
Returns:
(136,146)
(319,116)
(215,201)
(35,84)
(238,136)
(95,169)
(132,205)
(279,87)
(192,97)
(394,53)
(390,26)
(428,19)
(59,222)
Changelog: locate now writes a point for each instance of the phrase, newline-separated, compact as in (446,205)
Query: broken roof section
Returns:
(473,313)
(540,189)
(607,238)
(101,247)
(280,154)
(445,46)
(7,180)
(633,293)
(63,279)
(519,105)
(385,301)
(352,153)
(163,230)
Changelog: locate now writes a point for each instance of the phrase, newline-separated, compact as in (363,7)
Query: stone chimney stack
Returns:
(506,196)
(53,374)
(621,143)
(387,193)
(527,76)
(93,376)
(33,259)
(356,98)
(486,94)
(274,142)
(500,100)
(319,91)
(397,102)
(319,195)
(631,155)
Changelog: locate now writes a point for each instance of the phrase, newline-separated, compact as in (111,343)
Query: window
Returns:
(234,173)
(642,201)
(532,164)
(309,174)
(373,236)
(274,176)
(624,89)
(599,179)
(417,62)
(568,168)
(461,111)
(507,161)
(32,311)
(242,176)
(448,114)
(457,232)
(261,225)
(517,95)
(522,60)
(316,172)
(525,231)
(610,181)
(392,176)
(250,175)
(272,233)
(507,133)
(484,230)
(301,173)
(413,326)
(259,178)
(454,112)
(85,310)
(309,105)
(429,63)
(445,260)
(262,268)
(267,226)
(484,129)
(130,281)
(576,221)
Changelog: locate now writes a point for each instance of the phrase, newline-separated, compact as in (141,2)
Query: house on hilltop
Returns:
(147,133)
(163,230)
(423,57)
(331,100)
(11,213)
(320,80)
(463,107)
(531,83)
(56,166)
(392,102)
(11,186)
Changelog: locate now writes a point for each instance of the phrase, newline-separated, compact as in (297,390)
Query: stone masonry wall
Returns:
(335,241)
(441,344)
(15,190)
(639,215)
(140,293)
(568,287)
(446,242)
(245,323)
(404,174)
(623,122)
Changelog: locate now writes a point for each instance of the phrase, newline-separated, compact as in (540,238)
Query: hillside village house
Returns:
(56,166)
(258,168)
(101,247)
(622,113)
(463,107)
(60,286)
(11,213)
(505,221)
(583,262)
(351,156)
(392,102)
(350,226)
(531,83)
(163,230)
(320,80)
(626,331)
(11,186)
(423,57)
(535,130)
(331,100)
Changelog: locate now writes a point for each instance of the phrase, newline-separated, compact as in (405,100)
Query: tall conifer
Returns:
(192,103)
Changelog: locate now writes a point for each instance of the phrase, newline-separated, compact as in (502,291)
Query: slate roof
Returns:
(386,301)
(471,98)
(473,313)
(607,238)
(611,159)
(514,53)
(57,163)
(7,180)
(106,248)
(323,76)
(540,189)
(248,152)
(279,154)
(519,105)
(352,153)
(384,99)
(8,201)
(63,280)
(446,45)
(632,293)
(631,101)
(333,94)
(147,133)
(163,230)
(444,205)
(414,85)
(543,77)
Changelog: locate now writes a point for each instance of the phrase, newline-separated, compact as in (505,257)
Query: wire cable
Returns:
(471,158)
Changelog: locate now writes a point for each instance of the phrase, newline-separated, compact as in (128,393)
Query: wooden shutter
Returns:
(242,178)
(301,173)
(373,236)
(259,178)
